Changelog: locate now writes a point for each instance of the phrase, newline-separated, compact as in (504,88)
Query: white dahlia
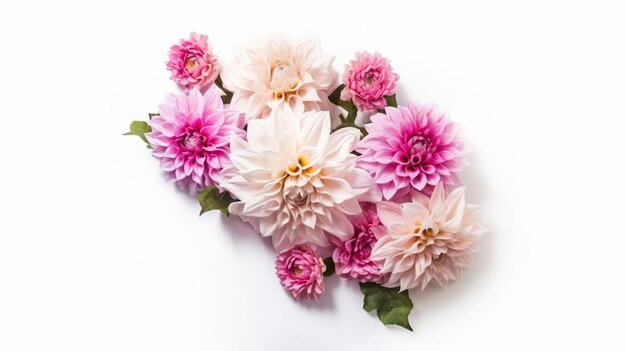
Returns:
(297,182)
(427,239)
(281,73)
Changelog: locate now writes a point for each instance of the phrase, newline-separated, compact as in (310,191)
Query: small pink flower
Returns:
(191,138)
(413,147)
(300,273)
(352,257)
(368,80)
(192,62)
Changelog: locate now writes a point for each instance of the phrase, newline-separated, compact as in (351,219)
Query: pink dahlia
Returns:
(192,62)
(413,147)
(191,138)
(300,272)
(352,257)
(368,79)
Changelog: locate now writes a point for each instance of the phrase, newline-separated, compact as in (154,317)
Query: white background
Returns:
(98,252)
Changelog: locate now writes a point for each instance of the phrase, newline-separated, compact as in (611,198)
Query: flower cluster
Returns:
(272,139)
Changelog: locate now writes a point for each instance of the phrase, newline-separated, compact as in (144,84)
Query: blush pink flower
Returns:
(368,79)
(352,257)
(192,62)
(296,181)
(191,138)
(281,73)
(413,147)
(427,239)
(300,272)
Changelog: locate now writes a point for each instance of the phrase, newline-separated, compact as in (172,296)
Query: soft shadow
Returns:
(326,301)
(242,233)
(477,192)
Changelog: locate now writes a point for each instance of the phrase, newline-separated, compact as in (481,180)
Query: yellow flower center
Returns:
(284,80)
(302,165)
(190,64)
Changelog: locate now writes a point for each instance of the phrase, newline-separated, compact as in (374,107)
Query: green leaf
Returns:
(140,128)
(335,96)
(228,94)
(391,100)
(350,118)
(211,199)
(330,266)
(391,305)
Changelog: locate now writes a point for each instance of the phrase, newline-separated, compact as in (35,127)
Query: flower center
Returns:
(297,197)
(193,141)
(428,232)
(301,165)
(297,270)
(191,64)
(418,144)
(417,148)
(284,80)
(369,80)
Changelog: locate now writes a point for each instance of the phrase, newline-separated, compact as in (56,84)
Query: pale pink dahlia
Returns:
(281,73)
(300,272)
(411,147)
(296,181)
(191,138)
(192,62)
(352,257)
(368,79)
(427,239)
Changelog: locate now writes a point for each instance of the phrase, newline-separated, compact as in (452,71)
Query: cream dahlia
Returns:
(296,181)
(281,73)
(427,239)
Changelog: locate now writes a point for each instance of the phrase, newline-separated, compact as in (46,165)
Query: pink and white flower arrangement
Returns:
(383,202)
(368,80)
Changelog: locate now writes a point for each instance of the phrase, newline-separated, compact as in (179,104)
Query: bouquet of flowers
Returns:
(273,139)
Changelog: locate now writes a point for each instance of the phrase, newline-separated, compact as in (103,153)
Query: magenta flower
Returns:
(412,147)
(191,138)
(300,273)
(352,257)
(192,62)
(368,80)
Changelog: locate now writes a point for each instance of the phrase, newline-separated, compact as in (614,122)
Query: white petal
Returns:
(389,213)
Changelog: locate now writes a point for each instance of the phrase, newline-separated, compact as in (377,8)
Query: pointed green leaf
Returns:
(391,100)
(211,199)
(139,128)
(330,266)
(391,305)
